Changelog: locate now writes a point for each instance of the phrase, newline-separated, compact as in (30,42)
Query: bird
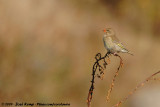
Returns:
(112,43)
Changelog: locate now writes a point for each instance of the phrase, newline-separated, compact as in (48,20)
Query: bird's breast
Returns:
(108,42)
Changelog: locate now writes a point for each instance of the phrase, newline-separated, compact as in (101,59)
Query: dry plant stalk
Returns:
(114,78)
(101,73)
(157,79)
(137,87)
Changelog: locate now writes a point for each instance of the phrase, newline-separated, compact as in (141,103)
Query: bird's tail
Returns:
(126,51)
(130,53)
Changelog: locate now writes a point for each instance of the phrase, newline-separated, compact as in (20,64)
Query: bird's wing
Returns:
(121,46)
(116,41)
(114,38)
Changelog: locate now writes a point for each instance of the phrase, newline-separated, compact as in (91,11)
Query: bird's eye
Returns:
(108,31)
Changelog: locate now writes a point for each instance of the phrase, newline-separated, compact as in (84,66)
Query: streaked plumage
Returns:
(111,42)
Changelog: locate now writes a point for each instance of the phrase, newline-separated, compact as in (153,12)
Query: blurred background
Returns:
(47,50)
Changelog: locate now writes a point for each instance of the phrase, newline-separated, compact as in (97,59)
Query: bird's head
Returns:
(109,31)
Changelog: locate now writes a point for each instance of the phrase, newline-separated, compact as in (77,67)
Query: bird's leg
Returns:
(115,54)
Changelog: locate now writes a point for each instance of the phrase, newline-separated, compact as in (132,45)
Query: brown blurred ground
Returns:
(47,48)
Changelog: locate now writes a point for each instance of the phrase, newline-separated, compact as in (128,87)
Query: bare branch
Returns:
(137,87)
(114,78)
(101,73)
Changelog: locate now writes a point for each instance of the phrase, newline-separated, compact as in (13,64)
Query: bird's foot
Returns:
(115,54)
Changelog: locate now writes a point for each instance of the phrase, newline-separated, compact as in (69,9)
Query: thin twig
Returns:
(137,87)
(157,79)
(114,78)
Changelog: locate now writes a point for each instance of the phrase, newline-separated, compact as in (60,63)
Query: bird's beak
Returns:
(104,31)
